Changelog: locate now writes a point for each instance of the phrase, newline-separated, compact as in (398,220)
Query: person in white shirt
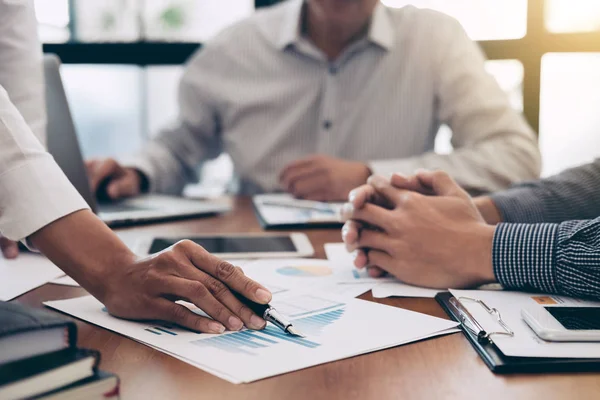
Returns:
(38,204)
(313,96)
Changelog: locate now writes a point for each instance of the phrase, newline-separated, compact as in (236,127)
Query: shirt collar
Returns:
(381,29)
(291,25)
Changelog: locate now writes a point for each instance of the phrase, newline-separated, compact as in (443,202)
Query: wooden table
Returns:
(440,368)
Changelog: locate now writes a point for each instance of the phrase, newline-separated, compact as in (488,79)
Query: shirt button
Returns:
(327,124)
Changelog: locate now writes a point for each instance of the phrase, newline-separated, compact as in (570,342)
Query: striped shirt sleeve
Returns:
(552,258)
(570,195)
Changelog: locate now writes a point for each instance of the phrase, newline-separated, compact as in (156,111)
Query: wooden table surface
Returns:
(439,368)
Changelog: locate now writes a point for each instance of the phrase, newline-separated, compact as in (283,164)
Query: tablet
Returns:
(237,245)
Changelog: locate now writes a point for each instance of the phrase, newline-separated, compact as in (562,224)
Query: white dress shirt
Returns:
(21,63)
(33,189)
(263,93)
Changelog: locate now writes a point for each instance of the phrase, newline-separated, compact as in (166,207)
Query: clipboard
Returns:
(498,363)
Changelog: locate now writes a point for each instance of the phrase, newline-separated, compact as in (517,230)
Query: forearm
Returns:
(551,258)
(164,170)
(567,196)
(85,248)
(480,168)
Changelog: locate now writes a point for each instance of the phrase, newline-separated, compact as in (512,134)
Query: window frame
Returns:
(529,50)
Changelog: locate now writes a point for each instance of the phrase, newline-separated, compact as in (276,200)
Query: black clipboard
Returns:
(501,364)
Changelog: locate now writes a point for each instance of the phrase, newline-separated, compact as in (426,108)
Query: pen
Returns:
(268,313)
(301,204)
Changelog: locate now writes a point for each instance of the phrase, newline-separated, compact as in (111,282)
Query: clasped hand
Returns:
(425,230)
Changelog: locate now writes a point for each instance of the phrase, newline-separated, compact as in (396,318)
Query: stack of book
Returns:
(39,358)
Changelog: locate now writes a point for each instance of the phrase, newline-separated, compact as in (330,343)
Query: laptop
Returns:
(64,147)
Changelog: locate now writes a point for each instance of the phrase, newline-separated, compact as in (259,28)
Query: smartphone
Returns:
(564,324)
(238,245)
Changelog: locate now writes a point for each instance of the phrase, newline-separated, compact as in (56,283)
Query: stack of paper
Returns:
(25,273)
(335,327)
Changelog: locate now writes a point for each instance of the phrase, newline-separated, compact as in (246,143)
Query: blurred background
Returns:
(123,60)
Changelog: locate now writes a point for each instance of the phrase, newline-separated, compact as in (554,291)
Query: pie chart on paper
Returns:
(311,271)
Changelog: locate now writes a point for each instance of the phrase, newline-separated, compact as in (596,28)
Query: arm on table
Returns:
(493,145)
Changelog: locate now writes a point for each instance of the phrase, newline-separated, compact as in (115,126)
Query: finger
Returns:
(367,194)
(295,165)
(384,187)
(196,292)
(124,186)
(91,165)
(370,214)
(181,315)
(373,240)
(411,183)
(9,248)
(350,232)
(312,187)
(225,272)
(442,184)
(104,169)
(361,260)
(306,181)
(380,259)
(226,297)
(376,272)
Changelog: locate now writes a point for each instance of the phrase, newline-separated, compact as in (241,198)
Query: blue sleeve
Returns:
(552,258)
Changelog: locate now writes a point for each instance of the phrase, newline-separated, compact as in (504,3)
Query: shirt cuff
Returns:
(523,256)
(519,205)
(34,195)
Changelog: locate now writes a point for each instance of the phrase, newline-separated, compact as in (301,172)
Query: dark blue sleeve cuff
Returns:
(523,256)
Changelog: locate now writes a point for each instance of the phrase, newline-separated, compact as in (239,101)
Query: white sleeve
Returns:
(493,145)
(33,189)
(21,72)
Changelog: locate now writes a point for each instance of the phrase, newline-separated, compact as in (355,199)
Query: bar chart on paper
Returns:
(310,314)
(335,328)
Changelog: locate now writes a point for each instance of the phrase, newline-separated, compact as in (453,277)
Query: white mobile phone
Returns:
(564,324)
(231,246)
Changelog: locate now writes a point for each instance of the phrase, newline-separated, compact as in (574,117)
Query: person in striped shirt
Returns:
(542,235)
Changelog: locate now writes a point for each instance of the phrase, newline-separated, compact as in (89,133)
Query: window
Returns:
(482,19)
(134,20)
(572,15)
(569,122)
(544,54)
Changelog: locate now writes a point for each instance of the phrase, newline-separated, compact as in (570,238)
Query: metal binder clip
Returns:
(471,324)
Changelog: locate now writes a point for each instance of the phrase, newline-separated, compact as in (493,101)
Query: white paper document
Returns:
(298,273)
(26,272)
(525,343)
(284,209)
(335,328)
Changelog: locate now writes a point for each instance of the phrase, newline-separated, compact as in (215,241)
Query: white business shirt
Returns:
(21,63)
(33,189)
(263,93)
